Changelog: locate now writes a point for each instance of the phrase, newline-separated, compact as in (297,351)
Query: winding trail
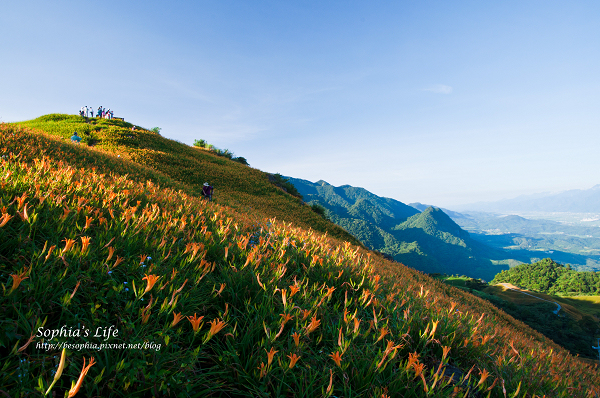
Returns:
(510,286)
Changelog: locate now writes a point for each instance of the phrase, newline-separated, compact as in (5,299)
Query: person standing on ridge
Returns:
(91,111)
(207,191)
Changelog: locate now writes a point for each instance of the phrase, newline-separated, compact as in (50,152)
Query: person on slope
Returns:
(207,191)
(75,138)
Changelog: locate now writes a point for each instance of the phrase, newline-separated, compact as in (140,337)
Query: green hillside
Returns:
(547,276)
(450,248)
(149,155)
(197,298)
(429,241)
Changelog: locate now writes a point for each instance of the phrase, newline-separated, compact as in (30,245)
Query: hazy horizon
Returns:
(431,102)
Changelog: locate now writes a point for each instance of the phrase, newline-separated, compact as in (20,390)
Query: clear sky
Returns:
(441,102)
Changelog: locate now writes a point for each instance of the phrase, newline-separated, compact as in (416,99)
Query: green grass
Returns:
(587,304)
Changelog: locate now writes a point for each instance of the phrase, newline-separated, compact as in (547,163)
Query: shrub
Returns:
(200,143)
(278,180)
(241,160)
(319,209)
(226,153)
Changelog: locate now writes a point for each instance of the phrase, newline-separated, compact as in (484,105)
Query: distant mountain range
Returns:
(529,240)
(428,240)
(573,201)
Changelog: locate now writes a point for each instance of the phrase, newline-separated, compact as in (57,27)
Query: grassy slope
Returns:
(236,264)
(237,186)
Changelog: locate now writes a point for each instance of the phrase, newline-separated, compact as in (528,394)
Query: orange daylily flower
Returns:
(221,289)
(68,245)
(85,242)
(329,291)
(4,219)
(305,314)
(75,290)
(446,351)
(195,321)
(484,375)
(118,261)
(296,337)
(346,312)
(270,355)
(263,369)
(294,289)
(433,329)
(313,325)
(284,320)
(283,298)
(111,251)
(151,280)
(384,332)
(293,359)
(50,252)
(75,388)
(17,279)
(145,316)
(176,318)
(337,358)
(21,199)
(215,327)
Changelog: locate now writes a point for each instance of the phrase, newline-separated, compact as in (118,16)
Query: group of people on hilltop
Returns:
(88,111)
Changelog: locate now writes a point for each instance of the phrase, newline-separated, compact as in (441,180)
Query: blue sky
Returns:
(441,102)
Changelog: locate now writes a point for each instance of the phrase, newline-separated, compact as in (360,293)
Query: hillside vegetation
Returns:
(221,301)
(184,167)
(550,277)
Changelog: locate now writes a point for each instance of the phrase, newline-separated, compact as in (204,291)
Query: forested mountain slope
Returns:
(429,241)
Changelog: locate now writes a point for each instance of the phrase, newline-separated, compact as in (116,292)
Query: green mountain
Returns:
(429,241)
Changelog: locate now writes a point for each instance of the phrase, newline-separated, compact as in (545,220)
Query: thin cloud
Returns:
(439,89)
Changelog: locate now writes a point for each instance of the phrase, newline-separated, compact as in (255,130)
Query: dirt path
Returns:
(510,286)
